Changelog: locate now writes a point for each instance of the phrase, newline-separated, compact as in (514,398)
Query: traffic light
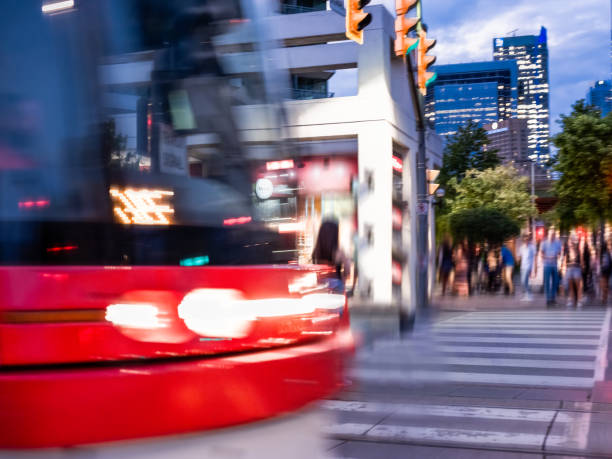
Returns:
(432,175)
(424,61)
(403,25)
(356,19)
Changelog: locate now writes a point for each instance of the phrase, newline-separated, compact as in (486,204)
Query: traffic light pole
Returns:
(422,298)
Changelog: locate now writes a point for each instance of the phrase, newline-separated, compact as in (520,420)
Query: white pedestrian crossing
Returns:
(526,350)
(535,340)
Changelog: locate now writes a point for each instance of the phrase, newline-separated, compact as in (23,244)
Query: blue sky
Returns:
(578,38)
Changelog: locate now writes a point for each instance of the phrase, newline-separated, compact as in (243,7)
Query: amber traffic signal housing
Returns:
(403,25)
(424,61)
(356,19)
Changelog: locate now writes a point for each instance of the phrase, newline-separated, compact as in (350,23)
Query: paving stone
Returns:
(602,392)
(587,406)
(580,436)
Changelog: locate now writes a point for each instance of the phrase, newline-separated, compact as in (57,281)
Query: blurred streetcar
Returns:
(140,295)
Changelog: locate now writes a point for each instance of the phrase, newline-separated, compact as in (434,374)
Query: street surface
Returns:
(502,383)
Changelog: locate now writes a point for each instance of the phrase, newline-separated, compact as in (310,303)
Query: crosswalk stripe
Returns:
(457,411)
(525,328)
(483,361)
(510,331)
(440,435)
(401,350)
(527,321)
(550,341)
(402,376)
(584,312)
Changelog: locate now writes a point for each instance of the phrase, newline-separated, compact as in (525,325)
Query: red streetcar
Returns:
(141,295)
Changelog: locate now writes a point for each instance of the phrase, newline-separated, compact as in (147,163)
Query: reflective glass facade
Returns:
(600,95)
(531,55)
(483,92)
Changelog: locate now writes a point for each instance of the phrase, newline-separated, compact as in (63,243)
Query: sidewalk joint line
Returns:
(548,430)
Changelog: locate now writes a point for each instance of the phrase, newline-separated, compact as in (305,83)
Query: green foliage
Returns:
(500,189)
(585,163)
(466,150)
(482,224)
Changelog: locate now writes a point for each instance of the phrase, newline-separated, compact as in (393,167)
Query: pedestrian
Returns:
(492,263)
(574,263)
(461,270)
(507,260)
(550,250)
(327,252)
(605,270)
(587,268)
(445,263)
(527,254)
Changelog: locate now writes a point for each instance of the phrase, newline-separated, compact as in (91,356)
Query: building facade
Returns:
(509,138)
(531,55)
(600,95)
(349,157)
(483,92)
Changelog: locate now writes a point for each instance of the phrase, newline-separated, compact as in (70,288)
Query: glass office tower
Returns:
(531,55)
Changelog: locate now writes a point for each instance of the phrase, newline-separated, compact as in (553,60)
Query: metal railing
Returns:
(305,94)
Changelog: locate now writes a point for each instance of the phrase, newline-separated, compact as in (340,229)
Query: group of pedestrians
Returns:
(573,267)
(465,270)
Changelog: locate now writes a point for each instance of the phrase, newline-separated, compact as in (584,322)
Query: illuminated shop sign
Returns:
(142,206)
(279,165)
(398,164)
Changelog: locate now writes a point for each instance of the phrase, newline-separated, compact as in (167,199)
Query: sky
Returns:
(578,38)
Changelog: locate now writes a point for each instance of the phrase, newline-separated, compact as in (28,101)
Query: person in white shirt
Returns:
(527,254)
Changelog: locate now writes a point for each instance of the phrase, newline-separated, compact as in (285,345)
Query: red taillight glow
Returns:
(278,165)
(30,204)
(63,248)
(237,221)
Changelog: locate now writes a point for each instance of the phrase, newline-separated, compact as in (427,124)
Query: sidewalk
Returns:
(498,301)
(493,301)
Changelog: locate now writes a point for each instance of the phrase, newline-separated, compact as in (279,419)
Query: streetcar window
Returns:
(119,134)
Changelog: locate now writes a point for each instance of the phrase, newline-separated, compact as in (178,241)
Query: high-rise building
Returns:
(483,92)
(600,95)
(531,54)
(509,138)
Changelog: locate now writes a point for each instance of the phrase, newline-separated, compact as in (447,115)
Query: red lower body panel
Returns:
(71,406)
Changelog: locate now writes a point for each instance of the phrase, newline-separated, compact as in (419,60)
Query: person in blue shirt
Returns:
(550,251)
(507,268)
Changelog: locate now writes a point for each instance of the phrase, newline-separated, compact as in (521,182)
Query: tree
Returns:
(501,189)
(585,163)
(482,224)
(466,150)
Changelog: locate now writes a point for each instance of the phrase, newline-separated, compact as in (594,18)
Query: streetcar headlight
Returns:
(134,315)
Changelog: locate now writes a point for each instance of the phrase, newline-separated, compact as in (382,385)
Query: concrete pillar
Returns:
(409,233)
(375,212)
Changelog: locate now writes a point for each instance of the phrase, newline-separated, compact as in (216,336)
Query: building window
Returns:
(302,6)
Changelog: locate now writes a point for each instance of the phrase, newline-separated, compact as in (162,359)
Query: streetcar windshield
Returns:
(121,137)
